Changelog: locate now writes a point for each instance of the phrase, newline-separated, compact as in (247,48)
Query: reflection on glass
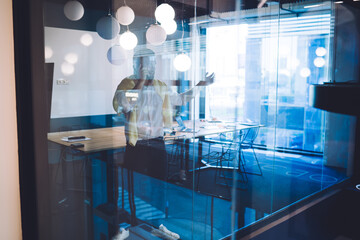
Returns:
(305,72)
(321,51)
(164,155)
(71,58)
(86,39)
(48,52)
(67,68)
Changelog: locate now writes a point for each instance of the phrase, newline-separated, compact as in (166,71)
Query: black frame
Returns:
(31,118)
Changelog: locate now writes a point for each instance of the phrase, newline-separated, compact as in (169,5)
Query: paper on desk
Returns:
(65,139)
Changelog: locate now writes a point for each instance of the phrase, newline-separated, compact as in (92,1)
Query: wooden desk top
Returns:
(114,138)
(101,138)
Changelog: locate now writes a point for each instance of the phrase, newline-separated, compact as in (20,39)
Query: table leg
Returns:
(201,139)
(110,185)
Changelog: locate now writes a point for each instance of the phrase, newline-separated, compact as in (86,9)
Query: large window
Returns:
(264,70)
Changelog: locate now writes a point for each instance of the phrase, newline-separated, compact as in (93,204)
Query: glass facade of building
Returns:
(199,133)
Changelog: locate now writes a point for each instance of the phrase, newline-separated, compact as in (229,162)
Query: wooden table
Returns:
(114,137)
(103,140)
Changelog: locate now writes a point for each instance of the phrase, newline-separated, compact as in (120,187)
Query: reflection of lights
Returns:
(243,30)
(155,35)
(164,12)
(67,68)
(169,26)
(284,50)
(182,62)
(86,39)
(305,72)
(294,63)
(73,10)
(48,52)
(339,2)
(321,51)
(128,40)
(319,62)
(312,6)
(125,15)
(71,58)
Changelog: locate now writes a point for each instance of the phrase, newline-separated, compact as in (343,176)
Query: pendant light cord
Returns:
(182,26)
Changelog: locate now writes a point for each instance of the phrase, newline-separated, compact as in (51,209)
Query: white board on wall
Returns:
(91,86)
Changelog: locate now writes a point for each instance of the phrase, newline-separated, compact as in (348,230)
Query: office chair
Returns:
(228,158)
(176,157)
(247,143)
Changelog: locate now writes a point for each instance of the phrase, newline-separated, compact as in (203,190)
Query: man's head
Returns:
(144,62)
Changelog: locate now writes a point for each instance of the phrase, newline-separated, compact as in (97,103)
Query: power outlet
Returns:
(62,82)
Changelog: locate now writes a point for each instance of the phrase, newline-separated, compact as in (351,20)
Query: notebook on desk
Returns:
(182,127)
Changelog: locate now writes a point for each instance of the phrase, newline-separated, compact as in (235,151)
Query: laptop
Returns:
(182,126)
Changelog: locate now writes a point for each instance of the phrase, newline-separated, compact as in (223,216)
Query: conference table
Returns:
(104,139)
(101,141)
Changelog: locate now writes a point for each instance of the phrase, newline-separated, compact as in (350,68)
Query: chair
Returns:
(176,157)
(247,143)
(229,157)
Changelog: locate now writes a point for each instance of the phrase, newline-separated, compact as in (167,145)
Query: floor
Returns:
(200,207)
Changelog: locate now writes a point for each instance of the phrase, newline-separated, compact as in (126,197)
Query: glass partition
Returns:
(187,119)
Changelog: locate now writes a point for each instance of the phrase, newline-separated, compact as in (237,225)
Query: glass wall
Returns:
(187,119)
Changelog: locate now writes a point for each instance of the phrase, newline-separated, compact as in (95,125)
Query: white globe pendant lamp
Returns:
(74,10)
(164,12)
(125,15)
(182,62)
(128,40)
(116,55)
(107,27)
(156,35)
(169,26)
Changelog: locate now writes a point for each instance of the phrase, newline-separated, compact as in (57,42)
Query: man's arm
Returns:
(209,79)
(120,99)
(182,98)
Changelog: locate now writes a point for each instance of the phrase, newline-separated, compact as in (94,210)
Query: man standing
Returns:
(147,105)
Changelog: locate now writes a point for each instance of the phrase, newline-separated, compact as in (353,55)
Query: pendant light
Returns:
(169,26)
(73,10)
(164,12)
(116,55)
(156,35)
(128,40)
(107,27)
(182,61)
(125,15)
